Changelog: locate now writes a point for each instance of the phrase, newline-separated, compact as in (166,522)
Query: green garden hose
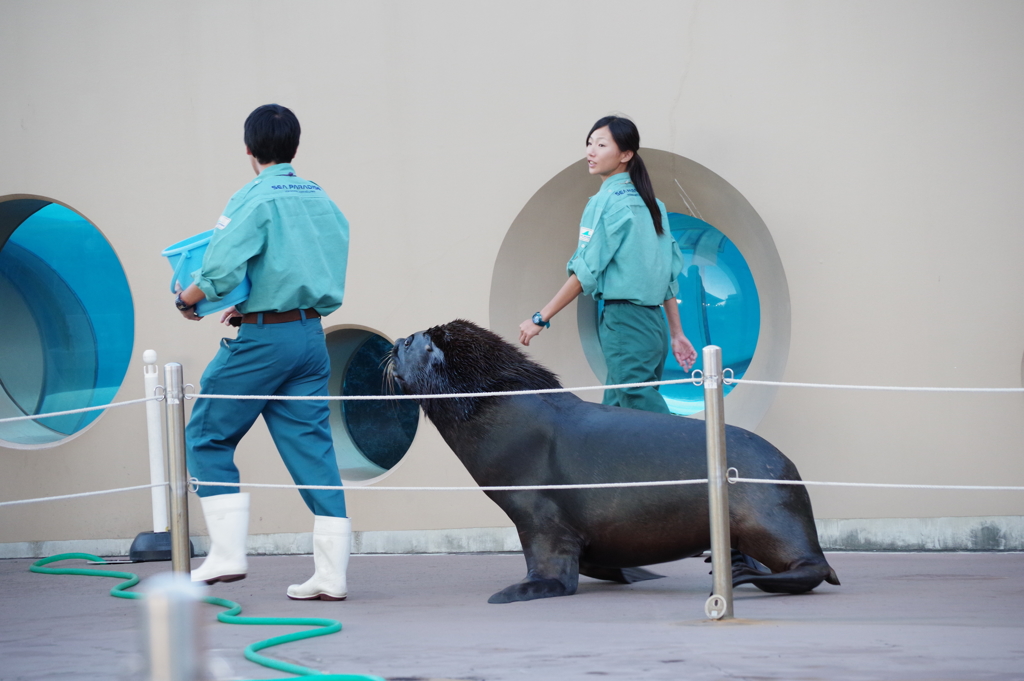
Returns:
(230,616)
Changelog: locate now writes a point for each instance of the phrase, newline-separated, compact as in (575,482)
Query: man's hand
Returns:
(190,314)
(228,315)
(191,297)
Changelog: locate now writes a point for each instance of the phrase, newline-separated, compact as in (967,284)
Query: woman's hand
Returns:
(527,330)
(570,289)
(683,351)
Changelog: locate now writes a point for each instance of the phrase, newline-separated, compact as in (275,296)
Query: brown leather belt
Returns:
(278,317)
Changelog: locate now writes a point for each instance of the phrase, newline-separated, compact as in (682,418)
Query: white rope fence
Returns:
(697,379)
(503,393)
(989,488)
(733,479)
(493,488)
(600,485)
(734,381)
(81,494)
(31,417)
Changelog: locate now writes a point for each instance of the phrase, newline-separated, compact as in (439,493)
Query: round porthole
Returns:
(718,305)
(370,436)
(69,322)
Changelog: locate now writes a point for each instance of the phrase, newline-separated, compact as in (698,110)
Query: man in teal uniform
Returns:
(290,239)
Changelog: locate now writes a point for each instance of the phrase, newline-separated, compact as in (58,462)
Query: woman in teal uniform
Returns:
(627,258)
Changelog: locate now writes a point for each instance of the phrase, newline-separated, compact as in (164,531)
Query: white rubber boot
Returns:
(227,520)
(332,543)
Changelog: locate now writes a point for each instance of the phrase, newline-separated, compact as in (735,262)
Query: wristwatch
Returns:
(539,321)
(181,304)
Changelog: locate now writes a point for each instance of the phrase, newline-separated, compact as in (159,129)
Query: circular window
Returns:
(370,436)
(69,321)
(718,305)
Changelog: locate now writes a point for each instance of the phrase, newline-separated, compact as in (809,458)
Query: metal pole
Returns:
(173,629)
(719,605)
(157,458)
(174,401)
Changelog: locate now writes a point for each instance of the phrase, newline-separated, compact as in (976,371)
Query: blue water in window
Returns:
(382,430)
(69,323)
(370,436)
(718,305)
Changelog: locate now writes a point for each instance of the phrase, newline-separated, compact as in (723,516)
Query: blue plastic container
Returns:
(186,257)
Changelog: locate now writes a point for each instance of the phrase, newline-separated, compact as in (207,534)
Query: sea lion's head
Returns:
(461,357)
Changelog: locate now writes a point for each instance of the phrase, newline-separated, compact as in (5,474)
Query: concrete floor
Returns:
(896,616)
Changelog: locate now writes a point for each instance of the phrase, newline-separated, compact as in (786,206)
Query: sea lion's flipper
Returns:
(620,575)
(553,570)
(742,562)
(741,559)
(530,589)
(795,581)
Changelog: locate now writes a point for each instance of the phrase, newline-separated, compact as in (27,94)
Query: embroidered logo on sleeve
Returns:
(223,222)
(586,233)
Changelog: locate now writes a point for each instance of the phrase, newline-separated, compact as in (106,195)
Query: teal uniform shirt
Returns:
(287,235)
(619,255)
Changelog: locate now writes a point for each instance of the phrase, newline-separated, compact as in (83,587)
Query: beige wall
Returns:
(879,142)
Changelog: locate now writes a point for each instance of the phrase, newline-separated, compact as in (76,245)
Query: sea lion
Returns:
(558,438)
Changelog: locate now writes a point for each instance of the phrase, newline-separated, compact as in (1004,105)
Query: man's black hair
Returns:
(272,134)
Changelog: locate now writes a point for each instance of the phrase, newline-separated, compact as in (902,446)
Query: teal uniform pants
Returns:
(634,340)
(268,359)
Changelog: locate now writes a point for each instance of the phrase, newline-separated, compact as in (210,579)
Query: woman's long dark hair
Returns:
(627,138)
